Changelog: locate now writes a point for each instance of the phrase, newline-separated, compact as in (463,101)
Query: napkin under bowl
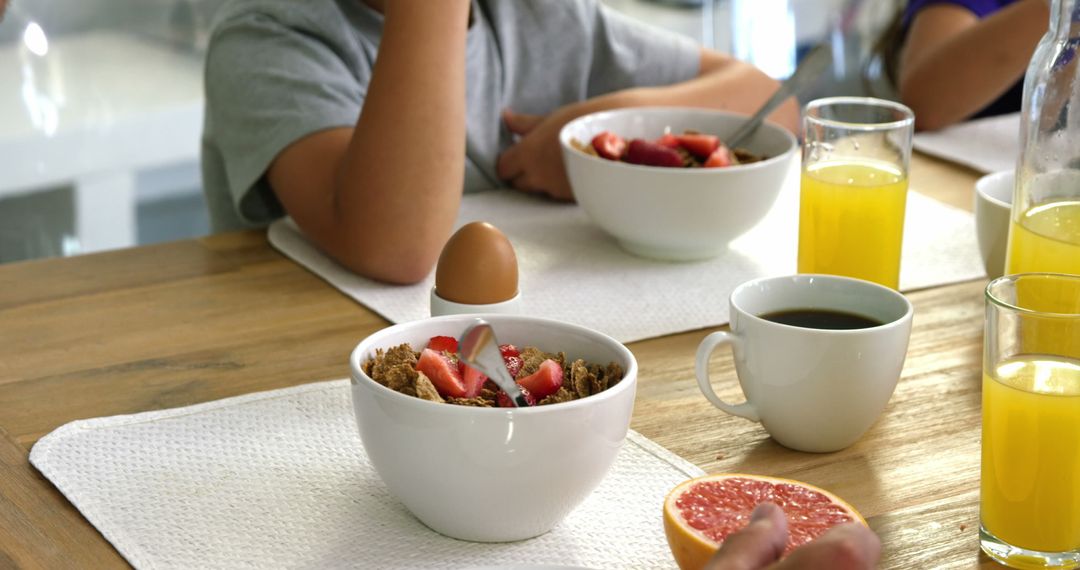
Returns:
(493,474)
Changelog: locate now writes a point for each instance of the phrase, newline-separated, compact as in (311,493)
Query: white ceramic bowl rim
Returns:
(368,345)
(564,139)
(983,184)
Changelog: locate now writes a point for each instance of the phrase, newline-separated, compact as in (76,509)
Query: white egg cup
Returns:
(441,307)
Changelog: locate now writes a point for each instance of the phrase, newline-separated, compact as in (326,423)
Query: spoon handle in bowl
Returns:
(480,349)
(806,73)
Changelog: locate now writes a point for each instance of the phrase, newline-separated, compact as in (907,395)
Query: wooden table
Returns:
(172,325)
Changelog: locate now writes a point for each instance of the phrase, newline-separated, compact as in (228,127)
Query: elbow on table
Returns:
(384,248)
(395,265)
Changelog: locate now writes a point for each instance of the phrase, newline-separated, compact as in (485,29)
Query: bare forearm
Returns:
(723,83)
(953,79)
(400,180)
(381,198)
(730,85)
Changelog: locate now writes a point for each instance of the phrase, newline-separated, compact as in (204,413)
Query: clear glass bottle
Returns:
(1045,230)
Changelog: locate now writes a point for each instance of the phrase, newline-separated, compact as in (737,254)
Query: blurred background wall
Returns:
(101,104)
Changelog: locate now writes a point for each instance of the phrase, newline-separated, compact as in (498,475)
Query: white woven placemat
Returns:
(571,271)
(988,145)
(280,480)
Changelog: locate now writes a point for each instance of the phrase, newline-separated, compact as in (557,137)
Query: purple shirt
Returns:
(1008,102)
(981,8)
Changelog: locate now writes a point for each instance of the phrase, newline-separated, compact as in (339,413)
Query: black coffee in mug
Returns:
(821,319)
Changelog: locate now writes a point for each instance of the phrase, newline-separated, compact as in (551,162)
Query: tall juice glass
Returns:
(1030,504)
(854,188)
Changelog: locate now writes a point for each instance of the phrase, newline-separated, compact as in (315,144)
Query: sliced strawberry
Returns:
(545,381)
(442,373)
(669,140)
(473,380)
(505,402)
(509,350)
(609,145)
(443,344)
(700,146)
(648,153)
(719,158)
(513,364)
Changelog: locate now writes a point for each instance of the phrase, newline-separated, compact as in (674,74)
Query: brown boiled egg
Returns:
(477,266)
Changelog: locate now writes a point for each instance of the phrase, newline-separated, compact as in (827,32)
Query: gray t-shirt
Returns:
(278,70)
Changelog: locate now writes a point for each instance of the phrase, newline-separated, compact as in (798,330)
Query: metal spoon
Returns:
(806,73)
(480,349)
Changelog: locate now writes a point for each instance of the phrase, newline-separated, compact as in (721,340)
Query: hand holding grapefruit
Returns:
(701,513)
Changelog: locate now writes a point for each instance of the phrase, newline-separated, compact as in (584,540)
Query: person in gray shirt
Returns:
(364,120)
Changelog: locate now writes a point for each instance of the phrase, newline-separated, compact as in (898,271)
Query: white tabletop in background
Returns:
(95,102)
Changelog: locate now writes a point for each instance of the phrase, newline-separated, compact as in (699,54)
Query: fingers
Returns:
(850,546)
(757,545)
(520,123)
(510,164)
(525,183)
(557,189)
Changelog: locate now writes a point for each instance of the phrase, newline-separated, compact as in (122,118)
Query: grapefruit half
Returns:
(700,513)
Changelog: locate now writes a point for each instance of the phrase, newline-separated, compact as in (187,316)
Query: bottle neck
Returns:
(1064,16)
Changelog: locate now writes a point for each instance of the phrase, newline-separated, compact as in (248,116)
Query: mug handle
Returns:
(704,351)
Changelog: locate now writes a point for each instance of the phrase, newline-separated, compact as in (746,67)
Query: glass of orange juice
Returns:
(854,187)
(1030,504)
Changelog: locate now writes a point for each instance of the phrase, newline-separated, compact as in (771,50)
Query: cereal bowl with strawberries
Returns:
(446,445)
(664,184)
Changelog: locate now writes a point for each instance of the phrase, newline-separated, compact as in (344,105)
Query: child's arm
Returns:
(381,198)
(535,164)
(953,64)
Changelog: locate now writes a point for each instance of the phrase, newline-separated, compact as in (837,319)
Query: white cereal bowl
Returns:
(676,214)
(993,205)
(493,474)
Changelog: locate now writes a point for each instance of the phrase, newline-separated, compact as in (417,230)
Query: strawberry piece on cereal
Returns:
(443,344)
(719,158)
(504,400)
(513,364)
(648,153)
(669,140)
(701,146)
(442,373)
(545,381)
(509,350)
(609,145)
(472,379)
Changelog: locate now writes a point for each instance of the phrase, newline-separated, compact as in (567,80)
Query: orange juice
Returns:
(1046,239)
(1031,453)
(851,220)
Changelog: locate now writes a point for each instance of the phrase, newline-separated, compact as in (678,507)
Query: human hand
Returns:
(534,163)
(759,545)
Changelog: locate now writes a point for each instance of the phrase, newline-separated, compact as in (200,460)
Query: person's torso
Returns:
(532,57)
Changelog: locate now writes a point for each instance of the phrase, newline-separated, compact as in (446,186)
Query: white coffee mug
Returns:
(993,205)
(812,389)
